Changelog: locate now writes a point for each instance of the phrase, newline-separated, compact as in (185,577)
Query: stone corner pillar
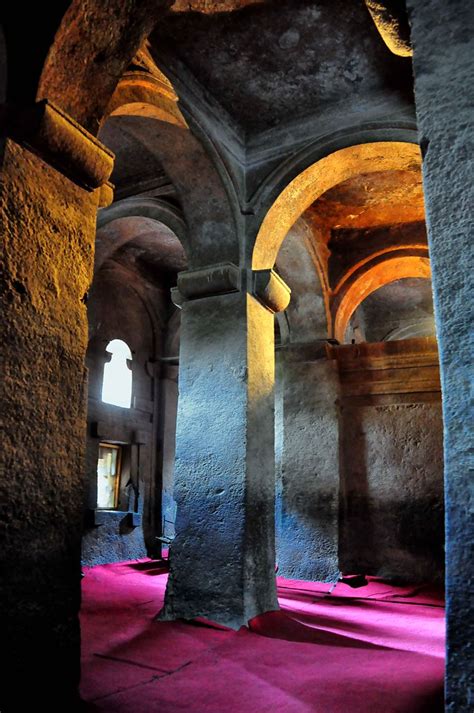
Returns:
(53,175)
(442,35)
(222,562)
(308,467)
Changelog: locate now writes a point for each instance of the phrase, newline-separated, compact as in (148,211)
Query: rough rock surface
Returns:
(442,38)
(48,224)
(308,471)
(222,560)
(392,485)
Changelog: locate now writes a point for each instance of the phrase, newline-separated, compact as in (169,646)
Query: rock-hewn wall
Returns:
(307,467)
(391,460)
(392,490)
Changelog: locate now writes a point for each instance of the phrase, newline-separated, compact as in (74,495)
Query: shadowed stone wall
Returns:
(308,465)
(392,486)
(391,456)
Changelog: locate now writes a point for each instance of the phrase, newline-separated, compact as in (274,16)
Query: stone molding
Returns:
(270,290)
(146,90)
(226,278)
(218,279)
(63,143)
(408,366)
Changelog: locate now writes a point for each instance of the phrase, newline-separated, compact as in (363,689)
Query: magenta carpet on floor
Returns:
(379,648)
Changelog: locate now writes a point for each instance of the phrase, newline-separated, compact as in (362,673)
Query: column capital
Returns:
(224,278)
(63,143)
(209,281)
(269,289)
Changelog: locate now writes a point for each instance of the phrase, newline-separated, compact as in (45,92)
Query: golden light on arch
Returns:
(139,94)
(377,276)
(318,178)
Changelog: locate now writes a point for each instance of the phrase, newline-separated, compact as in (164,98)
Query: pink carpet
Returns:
(375,649)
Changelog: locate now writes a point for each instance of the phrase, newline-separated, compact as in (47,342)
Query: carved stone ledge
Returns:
(62,143)
(224,278)
(400,367)
(270,290)
(219,279)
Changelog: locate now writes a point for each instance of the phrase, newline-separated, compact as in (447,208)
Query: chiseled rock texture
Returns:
(48,224)
(307,467)
(443,44)
(392,491)
(222,560)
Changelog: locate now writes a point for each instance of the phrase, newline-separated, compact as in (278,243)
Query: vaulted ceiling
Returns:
(269,63)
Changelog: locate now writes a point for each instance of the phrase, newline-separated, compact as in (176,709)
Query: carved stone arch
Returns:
(324,145)
(140,93)
(149,207)
(94,45)
(307,317)
(215,129)
(145,207)
(148,103)
(308,185)
(372,275)
(210,218)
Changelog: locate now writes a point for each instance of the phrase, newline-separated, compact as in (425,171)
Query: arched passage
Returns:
(91,50)
(125,220)
(318,178)
(140,248)
(142,139)
(370,279)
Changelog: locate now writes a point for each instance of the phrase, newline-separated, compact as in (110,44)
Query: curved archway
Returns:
(208,210)
(153,208)
(318,178)
(145,94)
(163,215)
(91,50)
(371,279)
(307,316)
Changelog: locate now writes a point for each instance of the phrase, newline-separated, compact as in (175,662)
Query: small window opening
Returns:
(108,475)
(117,383)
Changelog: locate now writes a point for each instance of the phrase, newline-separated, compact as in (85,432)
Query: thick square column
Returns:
(51,171)
(443,48)
(223,558)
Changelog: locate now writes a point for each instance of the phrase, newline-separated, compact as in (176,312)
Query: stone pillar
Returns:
(51,173)
(308,469)
(223,558)
(169,405)
(443,48)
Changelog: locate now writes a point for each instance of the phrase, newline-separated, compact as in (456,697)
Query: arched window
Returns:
(117,383)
